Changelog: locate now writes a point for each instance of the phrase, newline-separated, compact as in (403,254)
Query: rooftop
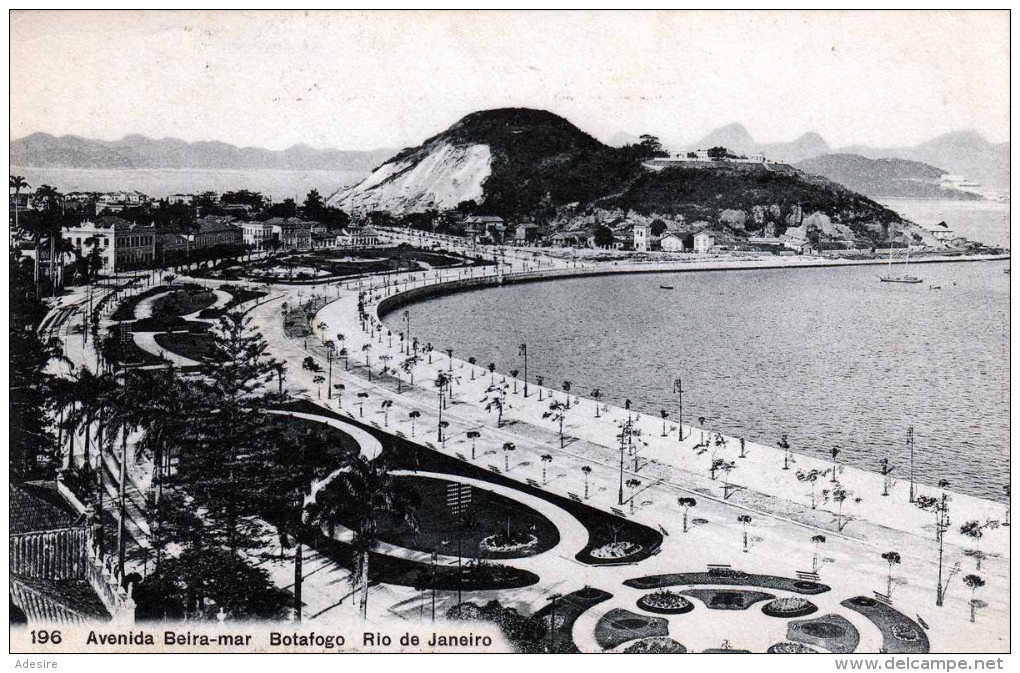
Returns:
(36,506)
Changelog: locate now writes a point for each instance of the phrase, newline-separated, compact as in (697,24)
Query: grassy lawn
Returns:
(182,302)
(487,514)
(198,347)
(126,309)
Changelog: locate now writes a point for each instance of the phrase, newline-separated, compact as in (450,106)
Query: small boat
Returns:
(665,287)
(912,280)
(934,287)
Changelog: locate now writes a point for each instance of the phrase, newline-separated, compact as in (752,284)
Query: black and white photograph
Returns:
(518,331)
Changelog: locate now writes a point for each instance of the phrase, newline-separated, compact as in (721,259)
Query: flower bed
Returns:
(501,543)
(790,648)
(659,645)
(789,607)
(665,603)
(616,550)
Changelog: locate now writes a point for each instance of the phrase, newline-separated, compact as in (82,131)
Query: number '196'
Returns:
(44,637)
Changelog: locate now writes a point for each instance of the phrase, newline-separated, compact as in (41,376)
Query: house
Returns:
(211,231)
(359,237)
(258,235)
(641,238)
(568,239)
(703,242)
(526,233)
(120,244)
(115,202)
(57,573)
(183,199)
(940,231)
(480,226)
(293,233)
(670,242)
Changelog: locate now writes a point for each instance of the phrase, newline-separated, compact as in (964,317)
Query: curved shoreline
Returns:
(413,295)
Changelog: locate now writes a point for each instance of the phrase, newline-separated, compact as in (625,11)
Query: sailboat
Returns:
(905,278)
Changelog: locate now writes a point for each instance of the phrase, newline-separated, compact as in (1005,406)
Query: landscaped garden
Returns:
(900,634)
(728,577)
(659,645)
(491,526)
(198,347)
(619,626)
(603,528)
(665,602)
(182,301)
(828,632)
(789,607)
(238,295)
(728,599)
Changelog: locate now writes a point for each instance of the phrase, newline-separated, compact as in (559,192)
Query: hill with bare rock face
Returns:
(520,163)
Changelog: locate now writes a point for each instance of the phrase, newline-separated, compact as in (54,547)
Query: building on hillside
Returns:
(569,239)
(478,227)
(121,244)
(57,573)
(670,242)
(703,242)
(940,231)
(115,202)
(359,237)
(526,233)
(642,234)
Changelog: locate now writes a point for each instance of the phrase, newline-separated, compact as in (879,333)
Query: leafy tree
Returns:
(603,236)
(892,558)
(686,504)
(361,497)
(817,541)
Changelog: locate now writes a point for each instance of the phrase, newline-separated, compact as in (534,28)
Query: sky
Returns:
(362,80)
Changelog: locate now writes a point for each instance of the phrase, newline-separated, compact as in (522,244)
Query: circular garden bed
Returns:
(665,602)
(660,645)
(789,607)
(790,648)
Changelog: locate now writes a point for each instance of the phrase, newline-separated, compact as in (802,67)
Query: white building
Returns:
(186,199)
(671,243)
(121,244)
(363,237)
(258,235)
(641,243)
(703,242)
(940,231)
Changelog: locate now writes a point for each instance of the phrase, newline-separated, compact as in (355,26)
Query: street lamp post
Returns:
(678,388)
(910,442)
(524,353)
(407,319)
(329,359)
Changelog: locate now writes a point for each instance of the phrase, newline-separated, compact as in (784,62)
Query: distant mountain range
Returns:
(960,152)
(884,178)
(42,150)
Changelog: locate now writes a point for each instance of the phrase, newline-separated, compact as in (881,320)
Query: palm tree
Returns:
(513,375)
(839,496)
(365,348)
(835,466)
(892,558)
(408,366)
(492,373)
(744,519)
(557,413)
(701,424)
(362,396)
(540,380)
(546,458)
(473,435)
(974,582)
(975,531)
(472,361)
(596,395)
(784,444)
(338,389)
(318,383)
(632,484)
(360,497)
(17,183)
(664,414)
(566,388)
(449,355)
(413,415)
(811,476)
(507,448)
(586,470)
(686,504)
(385,406)
(817,540)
